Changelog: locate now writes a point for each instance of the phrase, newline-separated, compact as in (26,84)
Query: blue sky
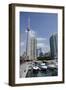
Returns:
(43,24)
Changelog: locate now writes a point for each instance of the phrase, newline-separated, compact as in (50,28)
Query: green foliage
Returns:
(44,58)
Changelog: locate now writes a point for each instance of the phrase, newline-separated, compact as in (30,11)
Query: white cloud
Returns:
(40,45)
(41,39)
(46,49)
(22,44)
(22,47)
(32,33)
(26,30)
(44,46)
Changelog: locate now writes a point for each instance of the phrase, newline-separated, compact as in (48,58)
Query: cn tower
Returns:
(31,43)
(28,41)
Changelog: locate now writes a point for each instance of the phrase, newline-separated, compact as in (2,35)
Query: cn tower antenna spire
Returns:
(29,24)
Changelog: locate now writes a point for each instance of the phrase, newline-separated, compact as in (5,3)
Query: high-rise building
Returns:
(31,44)
(39,52)
(54,45)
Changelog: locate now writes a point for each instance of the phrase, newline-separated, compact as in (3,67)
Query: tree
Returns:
(44,58)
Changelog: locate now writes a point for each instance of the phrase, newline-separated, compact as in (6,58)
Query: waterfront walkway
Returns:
(24,68)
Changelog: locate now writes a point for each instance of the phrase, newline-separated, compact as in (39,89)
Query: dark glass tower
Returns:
(54,45)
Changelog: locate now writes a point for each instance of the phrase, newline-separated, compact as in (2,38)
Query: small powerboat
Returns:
(52,66)
(35,68)
(43,66)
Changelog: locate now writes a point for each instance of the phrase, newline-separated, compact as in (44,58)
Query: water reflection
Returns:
(42,73)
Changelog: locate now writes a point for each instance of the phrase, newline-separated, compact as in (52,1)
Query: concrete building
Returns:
(33,46)
(54,45)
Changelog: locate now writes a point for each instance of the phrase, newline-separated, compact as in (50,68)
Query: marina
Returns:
(36,69)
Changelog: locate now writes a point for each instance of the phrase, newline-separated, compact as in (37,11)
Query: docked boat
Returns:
(43,66)
(52,66)
(35,68)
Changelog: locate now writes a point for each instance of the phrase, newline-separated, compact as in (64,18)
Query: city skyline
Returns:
(43,25)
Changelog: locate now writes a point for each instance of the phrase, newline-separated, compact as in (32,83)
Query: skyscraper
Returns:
(39,52)
(54,45)
(33,46)
(31,43)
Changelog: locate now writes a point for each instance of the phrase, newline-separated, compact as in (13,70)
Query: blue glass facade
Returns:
(54,45)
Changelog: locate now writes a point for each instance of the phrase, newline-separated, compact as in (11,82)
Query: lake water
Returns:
(48,72)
